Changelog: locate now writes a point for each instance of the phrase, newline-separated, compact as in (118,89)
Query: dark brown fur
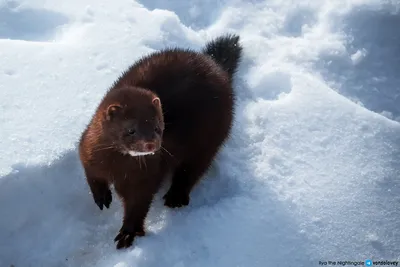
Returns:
(186,127)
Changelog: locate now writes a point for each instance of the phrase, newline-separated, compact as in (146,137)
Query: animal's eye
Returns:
(131,131)
(157,130)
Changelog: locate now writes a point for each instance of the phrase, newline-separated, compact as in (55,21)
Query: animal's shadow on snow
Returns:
(39,205)
(28,24)
(374,78)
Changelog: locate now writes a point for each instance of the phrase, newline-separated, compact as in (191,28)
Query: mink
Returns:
(169,113)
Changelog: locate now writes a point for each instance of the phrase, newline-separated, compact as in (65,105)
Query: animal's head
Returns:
(133,121)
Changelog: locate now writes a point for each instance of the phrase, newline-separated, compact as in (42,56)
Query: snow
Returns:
(311,172)
(358,56)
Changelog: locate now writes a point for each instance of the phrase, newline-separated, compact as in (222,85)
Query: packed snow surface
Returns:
(311,172)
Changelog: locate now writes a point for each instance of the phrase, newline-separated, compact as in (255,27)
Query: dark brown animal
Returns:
(170,112)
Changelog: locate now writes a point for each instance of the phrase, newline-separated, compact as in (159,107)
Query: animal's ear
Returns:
(156,102)
(112,110)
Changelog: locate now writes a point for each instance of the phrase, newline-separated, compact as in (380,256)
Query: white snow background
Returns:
(311,172)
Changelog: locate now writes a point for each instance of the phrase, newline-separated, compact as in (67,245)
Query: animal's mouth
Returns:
(137,153)
(141,149)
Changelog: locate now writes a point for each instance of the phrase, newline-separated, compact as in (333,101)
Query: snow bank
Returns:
(310,173)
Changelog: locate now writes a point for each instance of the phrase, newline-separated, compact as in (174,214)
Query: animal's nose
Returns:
(149,147)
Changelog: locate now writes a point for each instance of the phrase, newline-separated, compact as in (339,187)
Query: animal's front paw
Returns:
(102,197)
(176,199)
(125,237)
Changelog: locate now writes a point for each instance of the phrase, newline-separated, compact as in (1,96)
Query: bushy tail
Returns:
(226,51)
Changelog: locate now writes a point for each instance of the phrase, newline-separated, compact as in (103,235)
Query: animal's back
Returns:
(195,92)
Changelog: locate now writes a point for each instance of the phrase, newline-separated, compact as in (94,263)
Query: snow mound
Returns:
(310,173)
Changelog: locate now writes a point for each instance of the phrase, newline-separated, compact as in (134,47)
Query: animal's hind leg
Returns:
(185,177)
